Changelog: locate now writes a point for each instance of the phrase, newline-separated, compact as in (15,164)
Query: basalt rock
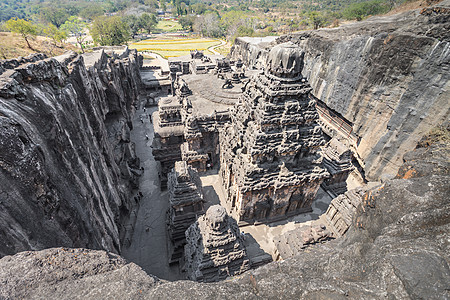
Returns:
(292,242)
(67,166)
(341,210)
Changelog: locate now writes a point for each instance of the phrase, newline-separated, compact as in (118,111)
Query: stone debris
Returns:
(337,158)
(341,210)
(185,205)
(270,153)
(292,242)
(215,247)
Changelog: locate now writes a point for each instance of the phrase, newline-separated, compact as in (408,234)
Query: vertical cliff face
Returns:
(67,166)
(389,76)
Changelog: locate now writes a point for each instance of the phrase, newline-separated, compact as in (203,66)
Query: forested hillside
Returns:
(115,22)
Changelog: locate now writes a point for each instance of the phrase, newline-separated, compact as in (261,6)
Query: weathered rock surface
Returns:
(389,76)
(397,248)
(62,273)
(340,212)
(67,166)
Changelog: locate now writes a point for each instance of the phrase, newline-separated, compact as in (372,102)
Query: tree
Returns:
(75,27)
(153,4)
(92,11)
(361,10)
(134,23)
(148,22)
(317,19)
(162,5)
(110,31)
(187,22)
(208,25)
(55,34)
(55,16)
(23,27)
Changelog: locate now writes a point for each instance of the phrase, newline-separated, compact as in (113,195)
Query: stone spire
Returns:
(214,249)
(270,160)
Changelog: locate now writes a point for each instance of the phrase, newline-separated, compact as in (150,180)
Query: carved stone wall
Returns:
(338,161)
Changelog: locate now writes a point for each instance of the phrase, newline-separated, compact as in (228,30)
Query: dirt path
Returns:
(148,246)
(213,48)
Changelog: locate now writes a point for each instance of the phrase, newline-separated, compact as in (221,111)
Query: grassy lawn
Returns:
(167,54)
(224,49)
(168,26)
(175,47)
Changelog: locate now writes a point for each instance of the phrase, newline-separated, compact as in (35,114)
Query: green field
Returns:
(168,26)
(175,47)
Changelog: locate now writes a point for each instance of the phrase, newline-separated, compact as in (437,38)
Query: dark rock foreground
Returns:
(397,248)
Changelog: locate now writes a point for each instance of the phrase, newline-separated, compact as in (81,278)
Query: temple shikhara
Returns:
(270,152)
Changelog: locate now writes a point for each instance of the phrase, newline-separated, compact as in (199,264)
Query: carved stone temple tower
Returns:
(270,153)
(215,248)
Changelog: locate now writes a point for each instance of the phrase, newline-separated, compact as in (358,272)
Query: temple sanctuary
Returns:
(271,163)
(187,123)
(215,248)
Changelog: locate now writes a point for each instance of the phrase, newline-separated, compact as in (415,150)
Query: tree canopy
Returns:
(76,27)
(148,22)
(110,31)
(23,27)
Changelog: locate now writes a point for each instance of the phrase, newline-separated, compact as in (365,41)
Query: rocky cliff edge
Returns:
(397,248)
(67,166)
